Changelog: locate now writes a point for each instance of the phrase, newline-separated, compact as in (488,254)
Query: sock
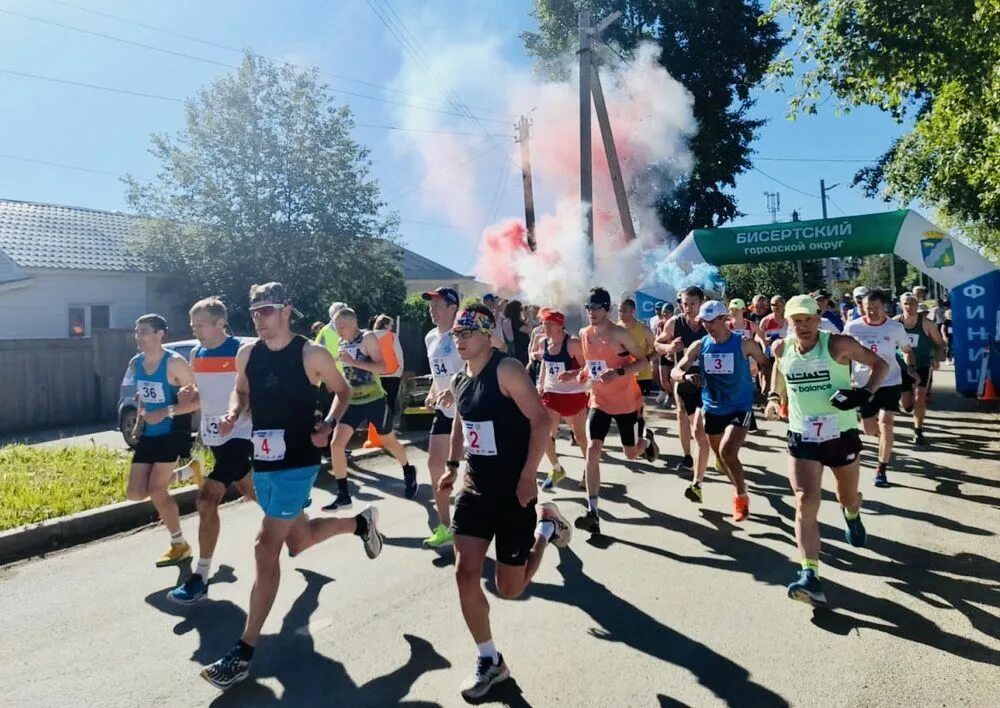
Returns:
(203,568)
(342,487)
(592,504)
(362,528)
(851,517)
(546,529)
(177,538)
(883,466)
(809,564)
(918,431)
(488,649)
(246,651)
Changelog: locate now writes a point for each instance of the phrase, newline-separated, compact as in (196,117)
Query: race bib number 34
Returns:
(269,445)
(719,363)
(480,438)
(820,428)
(439,367)
(151,392)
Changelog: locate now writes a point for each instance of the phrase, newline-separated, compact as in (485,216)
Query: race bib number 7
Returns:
(269,445)
(480,438)
(151,392)
(820,428)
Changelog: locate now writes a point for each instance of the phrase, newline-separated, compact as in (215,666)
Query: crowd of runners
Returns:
(270,409)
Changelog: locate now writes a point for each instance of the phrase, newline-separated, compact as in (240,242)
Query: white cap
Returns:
(710,309)
(860,291)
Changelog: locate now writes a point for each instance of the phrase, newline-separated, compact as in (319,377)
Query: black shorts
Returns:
(690,396)
(646,386)
(441,425)
(377,413)
(162,448)
(391,386)
(487,516)
(667,361)
(832,453)
(909,383)
(885,399)
(629,426)
(717,424)
(233,460)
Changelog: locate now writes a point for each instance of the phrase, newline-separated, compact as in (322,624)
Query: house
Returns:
(65,271)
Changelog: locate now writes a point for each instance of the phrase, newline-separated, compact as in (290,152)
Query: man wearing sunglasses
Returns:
(503,429)
(276,380)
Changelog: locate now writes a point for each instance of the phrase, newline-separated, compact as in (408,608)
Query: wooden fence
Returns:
(52,382)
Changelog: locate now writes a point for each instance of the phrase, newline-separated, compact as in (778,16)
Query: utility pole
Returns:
(608,138)
(586,159)
(828,274)
(798,264)
(523,137)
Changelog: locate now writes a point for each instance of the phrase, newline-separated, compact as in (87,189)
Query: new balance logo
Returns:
(804,377)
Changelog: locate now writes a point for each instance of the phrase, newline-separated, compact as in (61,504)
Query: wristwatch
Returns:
(453,464)
(620,371)
(331,421)
(170,411)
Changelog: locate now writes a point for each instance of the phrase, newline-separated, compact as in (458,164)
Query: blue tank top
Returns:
(727,385)
(156,392)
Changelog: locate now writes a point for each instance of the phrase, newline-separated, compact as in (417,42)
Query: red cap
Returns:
(547,313)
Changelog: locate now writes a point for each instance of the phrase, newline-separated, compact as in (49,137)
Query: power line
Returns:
(96,87)
(423,130)
(809,159)
(454,163)
(836,205)
(783,184)
(65,166)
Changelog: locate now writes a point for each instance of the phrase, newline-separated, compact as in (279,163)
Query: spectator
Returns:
(516,332)
(392,353)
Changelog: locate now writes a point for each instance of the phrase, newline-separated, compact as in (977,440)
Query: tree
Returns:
(748,279)
(265,183)
(719,49)
(934,59)
(415,311)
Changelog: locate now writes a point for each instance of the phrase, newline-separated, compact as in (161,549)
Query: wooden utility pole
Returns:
(586,161)
(621,197)
(523,137)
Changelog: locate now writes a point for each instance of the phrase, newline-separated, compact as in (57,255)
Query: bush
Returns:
(416,313)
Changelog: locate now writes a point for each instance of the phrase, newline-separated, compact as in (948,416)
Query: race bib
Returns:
(596,368)
(439,367)
(871,343)
(820,428)
(353,351)
(914,339)
(210,434)
(719,363)
(269,445)
(480,438)
(151,392)
(554,368)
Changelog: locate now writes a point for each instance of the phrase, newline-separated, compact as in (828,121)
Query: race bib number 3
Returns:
(210,430)
(269,445)
(719,363)
(480,438)
(820,428)
(151,392)
(439,367)
(596,368)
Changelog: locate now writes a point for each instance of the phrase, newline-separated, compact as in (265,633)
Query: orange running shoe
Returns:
(741,507)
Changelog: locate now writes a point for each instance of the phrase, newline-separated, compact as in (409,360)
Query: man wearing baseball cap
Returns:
(826,309)
(858,311)
(727,395)
(812,375)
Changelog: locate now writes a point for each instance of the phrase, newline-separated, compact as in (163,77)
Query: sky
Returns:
(168,50)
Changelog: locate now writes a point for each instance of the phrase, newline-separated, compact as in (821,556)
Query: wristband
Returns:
(331,421)
(772,396)
(170,411)
(620,371)
(453,464)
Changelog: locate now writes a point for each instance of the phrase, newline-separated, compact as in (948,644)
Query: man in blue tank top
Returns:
(727,394)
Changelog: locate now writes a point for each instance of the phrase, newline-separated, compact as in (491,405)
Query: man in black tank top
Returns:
(503,428)
(276,381)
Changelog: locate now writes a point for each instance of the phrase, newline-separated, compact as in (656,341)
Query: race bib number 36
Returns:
(269,445)
(596,367)
(719,363)
(151,392)
(210,430)
(820,428)
(480,438)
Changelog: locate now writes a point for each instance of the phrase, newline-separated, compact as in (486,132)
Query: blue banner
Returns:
(974,310)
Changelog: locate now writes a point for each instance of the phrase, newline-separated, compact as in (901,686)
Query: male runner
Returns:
(276,384)
(727,394)
(564,396)
(813,376)
(327,336)
(680,332)
(643,336)
(773,327)
(760,309)
(503,428)
(214,365)
(164,424)
(361,356)
(612,358)
(827,311)
(663,364)
(928,348)
(445,363)
(858,311)
(882,336)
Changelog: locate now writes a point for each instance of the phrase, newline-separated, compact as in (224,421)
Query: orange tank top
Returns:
(619,396)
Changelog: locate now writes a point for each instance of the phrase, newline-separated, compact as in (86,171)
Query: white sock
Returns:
(488,648)
(592,504)
(546,529)
(203,568)
(177,538)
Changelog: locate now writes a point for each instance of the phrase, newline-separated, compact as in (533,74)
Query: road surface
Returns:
(675,606)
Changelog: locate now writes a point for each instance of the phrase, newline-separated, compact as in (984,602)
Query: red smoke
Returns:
(500,245)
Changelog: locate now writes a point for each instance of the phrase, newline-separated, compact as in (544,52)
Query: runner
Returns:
(563,395)
(164,426)
(276,384)
(760,309)
(882,336)
(813,377)
(214,365)
(858,311)
(727,395)
(683,330)
(772,327)
(504,429)
(928,348)
(362,358)
(664,362)
(613,358)
(326,336)
(827,310)
(641,334)
(384,328)
(445,363)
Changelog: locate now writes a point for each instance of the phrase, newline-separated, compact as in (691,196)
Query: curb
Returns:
(93,524)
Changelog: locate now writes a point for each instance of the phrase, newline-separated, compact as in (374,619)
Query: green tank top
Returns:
(810,380)
(922,345)
(366,386)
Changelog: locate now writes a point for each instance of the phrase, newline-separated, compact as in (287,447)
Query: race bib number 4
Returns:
(269,445)
(439,367)
(480,438)
(820,428)
(719,363)
(151,392)
(210,430)
(596,368)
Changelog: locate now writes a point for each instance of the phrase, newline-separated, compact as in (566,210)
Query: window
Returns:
(83,319)
(100,317)
(77,321)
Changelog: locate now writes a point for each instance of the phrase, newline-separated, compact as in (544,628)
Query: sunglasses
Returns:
(264,310)
(463,333)
(595,306)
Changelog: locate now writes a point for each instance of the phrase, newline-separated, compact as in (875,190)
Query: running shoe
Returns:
(178,552)
(486,676)
(588,522)
(372,538)
(343,501)
(442,537)
(855,531)
(718,465)
(193,589)
(920,441)
(557,475)
(409,481)
(564,532)
(693,493)
(807,589)
(686,464)
(652,452)
(881,479)
(193,470)
(741,507)
(661,399)
(227,671)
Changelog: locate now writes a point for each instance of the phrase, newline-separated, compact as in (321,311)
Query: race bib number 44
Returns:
(596,367)
(820,428)
(151,392)
(480,438)
(719,363)
(269,445)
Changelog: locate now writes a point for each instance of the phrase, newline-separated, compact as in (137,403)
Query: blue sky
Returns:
(109,132)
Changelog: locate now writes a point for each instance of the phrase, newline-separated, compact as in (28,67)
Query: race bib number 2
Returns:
(151,392)
(269,445)
(480,438)
(820,428)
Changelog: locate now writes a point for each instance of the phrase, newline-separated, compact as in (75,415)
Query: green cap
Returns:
(737,304)
(801,305)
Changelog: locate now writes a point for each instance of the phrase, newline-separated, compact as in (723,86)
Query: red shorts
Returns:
(566,404)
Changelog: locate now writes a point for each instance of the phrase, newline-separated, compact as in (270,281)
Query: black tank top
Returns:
(689,335)
(496,432)
(283,398)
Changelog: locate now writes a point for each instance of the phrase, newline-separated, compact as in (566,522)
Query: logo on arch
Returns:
(937,250)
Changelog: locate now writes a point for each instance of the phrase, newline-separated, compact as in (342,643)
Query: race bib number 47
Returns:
(269,445)
(151,392)
(719,363)
(480,438)
(554,368)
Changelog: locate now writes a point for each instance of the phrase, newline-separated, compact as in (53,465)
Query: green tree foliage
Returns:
(415,311)
(748,279)
(934,59)
(719,49)
(265,183)
(874,273)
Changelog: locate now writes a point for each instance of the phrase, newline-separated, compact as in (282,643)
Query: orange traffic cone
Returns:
(989,392)
(373,438)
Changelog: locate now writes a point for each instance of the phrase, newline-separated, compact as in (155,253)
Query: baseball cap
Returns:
(599,299)
(711,309)
(737,304)
(801,305)
(489,297)
(860,291)
(273,293)
(547,314)
(447,294)
(817,294)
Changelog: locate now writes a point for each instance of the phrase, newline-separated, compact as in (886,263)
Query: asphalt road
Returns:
(675,606)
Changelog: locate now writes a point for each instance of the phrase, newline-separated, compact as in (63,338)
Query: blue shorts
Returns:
(283,493)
